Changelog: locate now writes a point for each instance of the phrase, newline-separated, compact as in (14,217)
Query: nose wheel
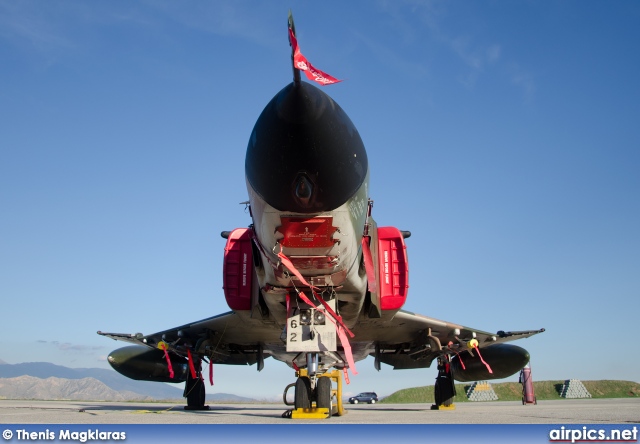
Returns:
(303,394)
(323,394)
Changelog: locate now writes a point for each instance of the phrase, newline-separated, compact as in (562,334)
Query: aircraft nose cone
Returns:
(305,155)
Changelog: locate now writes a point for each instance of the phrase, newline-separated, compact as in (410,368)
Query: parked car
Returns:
(368,397)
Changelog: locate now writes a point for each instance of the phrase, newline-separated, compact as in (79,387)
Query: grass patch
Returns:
(512,391)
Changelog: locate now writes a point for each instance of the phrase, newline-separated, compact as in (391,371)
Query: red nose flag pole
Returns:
(292,31)
(300,62)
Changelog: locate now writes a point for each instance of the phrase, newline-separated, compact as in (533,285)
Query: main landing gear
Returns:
(194,389)
(315,397)
(445,389)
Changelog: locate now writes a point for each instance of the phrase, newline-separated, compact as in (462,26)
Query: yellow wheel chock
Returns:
(443,407)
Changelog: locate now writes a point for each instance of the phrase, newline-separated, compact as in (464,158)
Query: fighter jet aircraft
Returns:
(313,281)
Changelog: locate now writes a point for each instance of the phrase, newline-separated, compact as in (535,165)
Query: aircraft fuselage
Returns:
(308,181)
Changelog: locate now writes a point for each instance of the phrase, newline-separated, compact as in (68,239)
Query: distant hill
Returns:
(110,378)
(85,389)
(512,391)
(130,389)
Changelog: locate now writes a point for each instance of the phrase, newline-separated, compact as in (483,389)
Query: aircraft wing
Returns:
(227,337)
(410,340)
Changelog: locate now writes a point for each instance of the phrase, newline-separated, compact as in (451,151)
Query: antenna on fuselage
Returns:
(292,27)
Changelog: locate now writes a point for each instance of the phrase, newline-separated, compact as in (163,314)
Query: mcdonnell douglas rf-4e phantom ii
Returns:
(313,281)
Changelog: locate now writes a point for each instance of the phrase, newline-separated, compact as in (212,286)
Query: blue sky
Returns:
(503,134)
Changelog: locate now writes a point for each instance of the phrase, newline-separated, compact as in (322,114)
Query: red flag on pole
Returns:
(300,62)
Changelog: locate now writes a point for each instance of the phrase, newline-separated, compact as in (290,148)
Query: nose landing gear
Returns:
(315,397)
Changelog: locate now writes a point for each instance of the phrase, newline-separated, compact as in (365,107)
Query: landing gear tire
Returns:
(323,394)
(198,394)
(195,394)
(303,393)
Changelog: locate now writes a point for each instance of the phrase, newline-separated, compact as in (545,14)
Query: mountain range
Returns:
(44,380)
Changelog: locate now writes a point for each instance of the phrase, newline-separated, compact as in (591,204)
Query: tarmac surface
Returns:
(566,411)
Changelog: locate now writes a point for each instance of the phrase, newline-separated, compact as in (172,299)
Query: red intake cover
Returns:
(393,268)
(237,269)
